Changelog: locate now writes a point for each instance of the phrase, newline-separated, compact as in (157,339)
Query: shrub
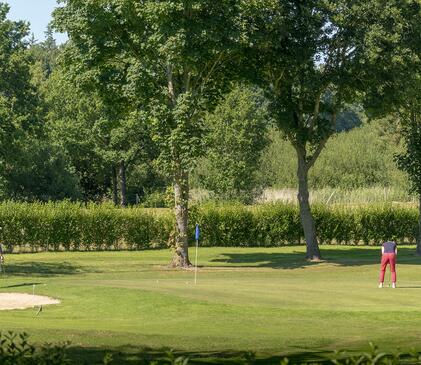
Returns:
(15,349)
(69,226)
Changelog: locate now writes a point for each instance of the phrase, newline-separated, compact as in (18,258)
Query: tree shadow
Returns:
(19,285)
(44,269)
(355,256)
(129,355)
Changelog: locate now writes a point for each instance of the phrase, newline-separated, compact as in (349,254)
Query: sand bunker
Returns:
(10,301)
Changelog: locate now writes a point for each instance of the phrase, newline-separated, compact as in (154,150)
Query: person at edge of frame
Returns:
(389,253)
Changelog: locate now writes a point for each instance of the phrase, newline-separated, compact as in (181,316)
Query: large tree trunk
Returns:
(123,184)
(419,229)
(115,186)
(307,221)
(181,195)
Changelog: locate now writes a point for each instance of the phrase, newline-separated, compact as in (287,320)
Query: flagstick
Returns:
(197,236)
(195,269)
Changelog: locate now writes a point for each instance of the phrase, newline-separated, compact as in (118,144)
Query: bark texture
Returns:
(181,195)
(419,229)
(123,184)
(115,186)
(307,221)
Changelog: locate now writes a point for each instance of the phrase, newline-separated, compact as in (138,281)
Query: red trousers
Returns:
(388,258)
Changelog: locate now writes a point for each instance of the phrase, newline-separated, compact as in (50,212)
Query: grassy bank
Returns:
(266,300)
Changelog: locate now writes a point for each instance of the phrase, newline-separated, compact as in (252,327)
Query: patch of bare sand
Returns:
(9,301)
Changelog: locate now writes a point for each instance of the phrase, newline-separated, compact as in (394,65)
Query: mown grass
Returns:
(267,300)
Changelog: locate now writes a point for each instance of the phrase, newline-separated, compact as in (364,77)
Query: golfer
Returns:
(389,253)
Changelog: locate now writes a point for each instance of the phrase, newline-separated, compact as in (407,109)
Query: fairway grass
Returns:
(267,300)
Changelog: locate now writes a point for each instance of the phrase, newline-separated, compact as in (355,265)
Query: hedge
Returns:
(70,226)
(279,224)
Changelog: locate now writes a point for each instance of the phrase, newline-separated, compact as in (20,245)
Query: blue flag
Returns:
(197,232)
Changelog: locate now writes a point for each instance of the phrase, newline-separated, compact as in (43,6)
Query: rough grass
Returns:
(270,301)
(355,196)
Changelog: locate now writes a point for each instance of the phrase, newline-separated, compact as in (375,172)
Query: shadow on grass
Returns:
(355,256)
(19,285)
(45,269)
(131,356)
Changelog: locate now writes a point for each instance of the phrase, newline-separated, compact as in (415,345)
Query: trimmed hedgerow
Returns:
(70,226)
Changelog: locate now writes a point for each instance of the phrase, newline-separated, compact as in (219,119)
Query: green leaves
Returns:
(69,226)
(174,53)
(236,138)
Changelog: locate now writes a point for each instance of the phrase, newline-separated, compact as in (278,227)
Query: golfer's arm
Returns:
(382,250)
(396,251)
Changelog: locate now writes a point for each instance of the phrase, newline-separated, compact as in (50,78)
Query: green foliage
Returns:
(350,118)
(237,136)
(397,92)
(362,157)
(410,160)
(309,57)
(238,225)
(31,167)
(279,224)
(159,199)
(173,52)
(394,57)
(42,172)
(76,123)
(25,160)
(170,61)
(68,226)
(15,349)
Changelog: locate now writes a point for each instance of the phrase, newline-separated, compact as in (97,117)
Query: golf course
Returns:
(267,300)
(210,182)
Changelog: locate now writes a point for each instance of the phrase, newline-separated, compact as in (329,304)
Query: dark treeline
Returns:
(57,142)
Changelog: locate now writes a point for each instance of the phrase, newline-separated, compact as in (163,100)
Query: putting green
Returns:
(267,300)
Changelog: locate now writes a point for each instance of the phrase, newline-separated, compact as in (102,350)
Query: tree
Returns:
(177,55)
(14,83)
(28,167)
(310,58)
(397,90)
(237,137)
(75,127)
(410,160)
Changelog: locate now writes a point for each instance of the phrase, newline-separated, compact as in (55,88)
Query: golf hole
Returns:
(11,301)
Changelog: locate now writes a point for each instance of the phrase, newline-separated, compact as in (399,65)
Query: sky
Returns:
(37,13)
